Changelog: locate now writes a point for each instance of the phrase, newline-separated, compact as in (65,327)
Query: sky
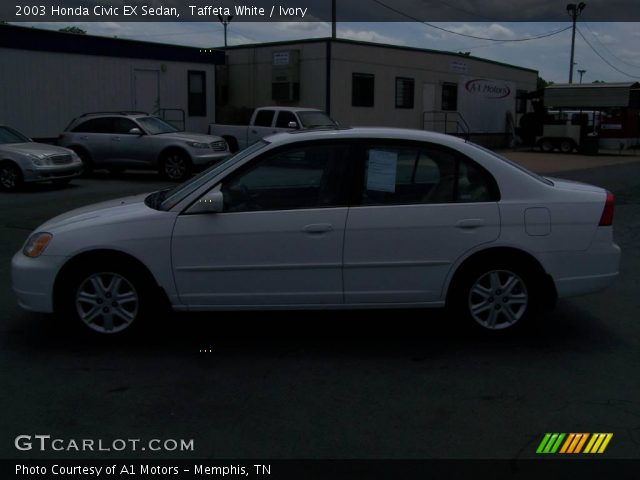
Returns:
(616,57)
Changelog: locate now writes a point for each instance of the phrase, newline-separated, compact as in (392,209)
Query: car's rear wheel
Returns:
(107,297)
(546,145)
(11,178)
(87,161)
(175,165)
(496,295)
(567,146)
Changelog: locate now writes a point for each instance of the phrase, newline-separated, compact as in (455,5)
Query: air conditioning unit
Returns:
(285,76)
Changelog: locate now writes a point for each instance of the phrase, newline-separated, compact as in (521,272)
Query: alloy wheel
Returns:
(107,302)
(175,166)
(9,177)
(498,299)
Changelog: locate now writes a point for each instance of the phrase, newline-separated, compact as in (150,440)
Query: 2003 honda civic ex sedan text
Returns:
(362,217)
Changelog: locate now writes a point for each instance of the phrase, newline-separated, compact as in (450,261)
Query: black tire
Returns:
(546,145)
(87,161)
(175,165)
(131,297)
(11,178)
(233,144)
(500,306)
(567,145)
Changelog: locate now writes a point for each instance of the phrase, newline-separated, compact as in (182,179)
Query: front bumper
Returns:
(53,172)
(208,158)
(32,280)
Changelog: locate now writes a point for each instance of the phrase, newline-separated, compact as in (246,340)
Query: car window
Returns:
(264,118)
(312,176)
(156,126)
(123,125)
(284,117)
(396,175)
(313,119)
(95,125)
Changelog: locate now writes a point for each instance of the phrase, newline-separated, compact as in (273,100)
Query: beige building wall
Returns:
(75,84)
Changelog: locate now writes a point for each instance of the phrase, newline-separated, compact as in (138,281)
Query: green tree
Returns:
(542,83)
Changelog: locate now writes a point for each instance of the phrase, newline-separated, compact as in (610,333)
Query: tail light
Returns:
(606,219)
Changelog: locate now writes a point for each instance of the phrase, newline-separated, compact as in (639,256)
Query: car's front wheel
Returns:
(107,297)
(496,296)
(10,176)
(175,165)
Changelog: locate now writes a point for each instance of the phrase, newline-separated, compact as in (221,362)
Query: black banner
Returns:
(313,10)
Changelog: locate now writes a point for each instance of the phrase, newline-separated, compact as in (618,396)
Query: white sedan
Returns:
(354,218)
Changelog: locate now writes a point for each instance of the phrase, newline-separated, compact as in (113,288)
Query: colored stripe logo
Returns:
(574,443)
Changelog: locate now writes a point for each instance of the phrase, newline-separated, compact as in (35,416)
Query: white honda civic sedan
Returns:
(353,218)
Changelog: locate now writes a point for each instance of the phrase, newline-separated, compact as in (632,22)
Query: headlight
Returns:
(39,161)
(198,144)
(36,244)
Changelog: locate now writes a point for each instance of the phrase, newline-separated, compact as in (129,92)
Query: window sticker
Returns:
(381,171)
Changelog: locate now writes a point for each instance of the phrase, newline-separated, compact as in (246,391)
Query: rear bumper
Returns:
(585,271)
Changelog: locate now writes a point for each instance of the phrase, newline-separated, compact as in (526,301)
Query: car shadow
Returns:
(421,334)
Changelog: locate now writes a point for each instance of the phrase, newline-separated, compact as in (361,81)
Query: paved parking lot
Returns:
(367,384)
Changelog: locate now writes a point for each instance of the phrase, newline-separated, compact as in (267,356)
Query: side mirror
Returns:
(292,125)
(211,202)
(135,131)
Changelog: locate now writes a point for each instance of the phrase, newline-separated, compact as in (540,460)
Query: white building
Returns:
(50,77)
(360,83)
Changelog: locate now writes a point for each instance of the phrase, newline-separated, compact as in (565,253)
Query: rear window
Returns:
(264,118)
(519,167)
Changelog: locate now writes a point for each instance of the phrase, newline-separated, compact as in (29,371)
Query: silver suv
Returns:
(120,140)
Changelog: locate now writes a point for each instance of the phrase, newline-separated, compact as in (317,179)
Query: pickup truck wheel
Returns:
(567,146)
(175,165)
(546,145)
(233,144)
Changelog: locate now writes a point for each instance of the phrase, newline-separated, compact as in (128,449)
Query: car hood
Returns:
(34,148)
(189,137)
(117,210)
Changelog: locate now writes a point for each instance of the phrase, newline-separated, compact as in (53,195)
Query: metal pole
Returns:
(573,43)
(581,72)
(333,19)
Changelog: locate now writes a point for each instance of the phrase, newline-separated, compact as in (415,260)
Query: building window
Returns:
(521,101)
(450,96)
(362,88)
(404,92)
(197,93)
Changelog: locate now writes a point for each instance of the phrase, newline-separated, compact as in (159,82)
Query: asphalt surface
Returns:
(358,384)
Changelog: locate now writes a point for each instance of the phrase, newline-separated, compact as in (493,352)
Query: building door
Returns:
(146,90)
(428,105)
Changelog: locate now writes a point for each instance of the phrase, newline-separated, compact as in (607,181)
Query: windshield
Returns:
(167,199)
(519,167)
(9,135)
(312,119)
(154,125)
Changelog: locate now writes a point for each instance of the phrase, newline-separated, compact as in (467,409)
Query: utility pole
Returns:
(333,19)
(225,21)
(581,72)
(574,11)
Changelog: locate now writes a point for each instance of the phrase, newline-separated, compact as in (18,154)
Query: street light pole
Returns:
(573,10)
(225,21)
(581,72)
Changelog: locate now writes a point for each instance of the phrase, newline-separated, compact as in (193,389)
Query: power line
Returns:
(502,40)
(605,47)
(604,59)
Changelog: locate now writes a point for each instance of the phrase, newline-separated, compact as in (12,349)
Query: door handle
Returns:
(317,228)
(469,223)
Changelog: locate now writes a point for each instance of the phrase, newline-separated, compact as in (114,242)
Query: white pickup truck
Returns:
(269,120)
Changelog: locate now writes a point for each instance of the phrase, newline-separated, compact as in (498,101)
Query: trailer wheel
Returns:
(546,145)
(567,145)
